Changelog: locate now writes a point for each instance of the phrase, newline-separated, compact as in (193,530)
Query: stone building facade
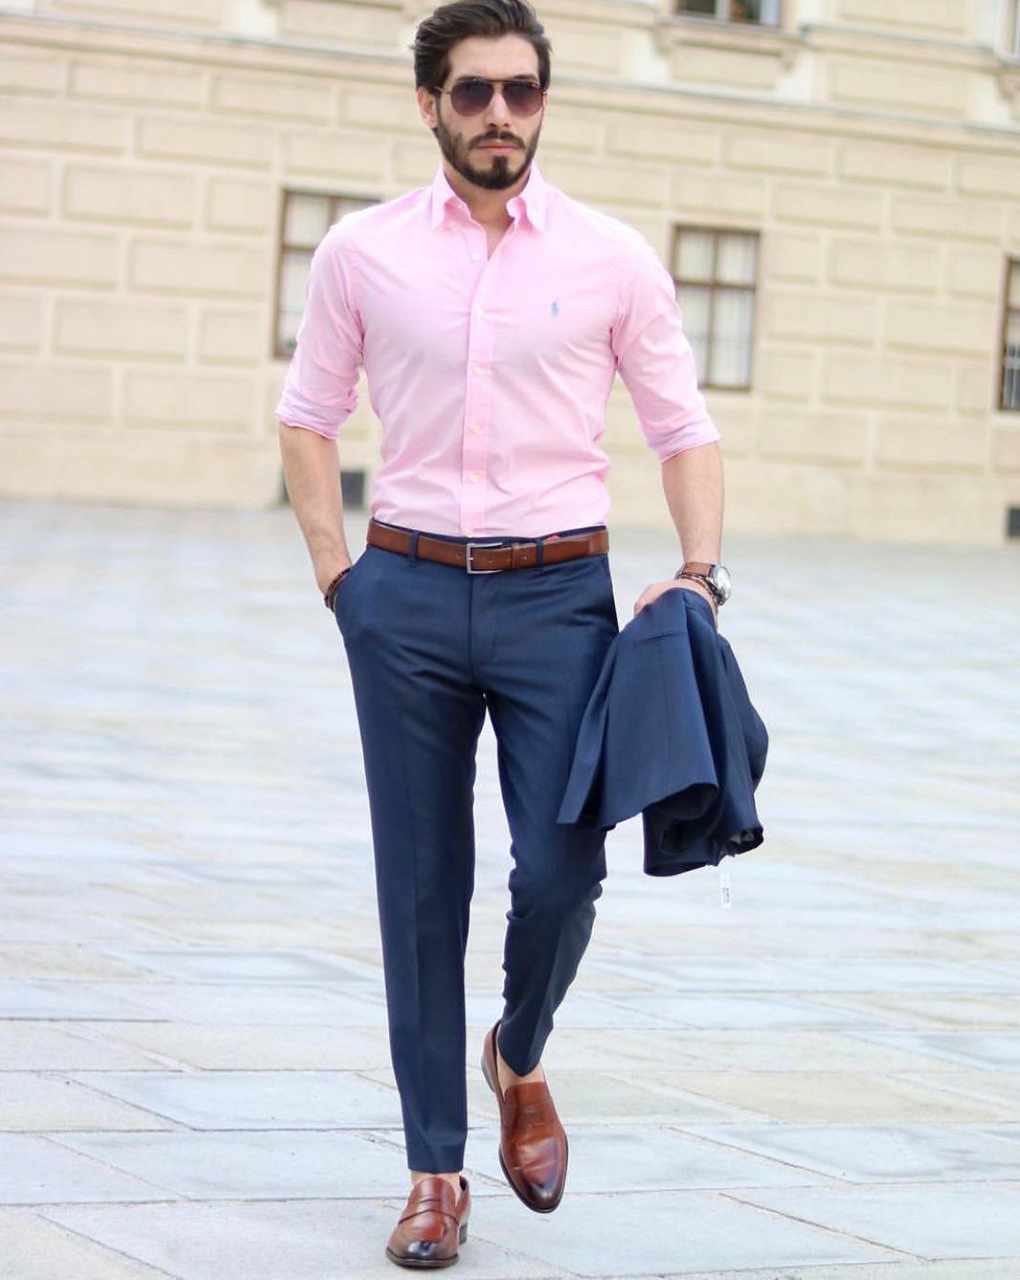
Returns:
(834,184)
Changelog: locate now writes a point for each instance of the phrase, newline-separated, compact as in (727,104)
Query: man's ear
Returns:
(424,100)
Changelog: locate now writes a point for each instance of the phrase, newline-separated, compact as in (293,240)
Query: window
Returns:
(1011,46)
(1010,398)
(764,13)
(715,273)
(307,216)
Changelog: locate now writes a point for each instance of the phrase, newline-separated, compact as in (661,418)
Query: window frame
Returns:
(337,204)
(714,286)
(1012,49)
(724,9)
(1012,263)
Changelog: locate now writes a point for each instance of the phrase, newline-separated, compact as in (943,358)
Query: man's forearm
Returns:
(692,481)
(311,469)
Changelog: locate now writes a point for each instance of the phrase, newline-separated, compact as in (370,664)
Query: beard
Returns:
(500,171)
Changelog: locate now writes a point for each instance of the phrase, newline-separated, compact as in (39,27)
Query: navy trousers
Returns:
(430,647)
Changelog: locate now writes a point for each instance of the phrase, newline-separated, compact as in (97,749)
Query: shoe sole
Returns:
(548,1208)
(426,1263)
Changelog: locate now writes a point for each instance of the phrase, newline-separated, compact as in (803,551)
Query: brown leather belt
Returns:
(481,556)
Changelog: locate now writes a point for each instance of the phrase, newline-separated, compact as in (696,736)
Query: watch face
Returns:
(720,576)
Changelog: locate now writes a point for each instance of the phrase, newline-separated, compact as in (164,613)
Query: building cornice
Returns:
(668,97)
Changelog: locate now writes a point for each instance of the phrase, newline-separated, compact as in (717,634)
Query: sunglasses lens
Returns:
(522,98)
(471,96)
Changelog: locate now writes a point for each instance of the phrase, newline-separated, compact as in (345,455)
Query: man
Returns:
(491,312)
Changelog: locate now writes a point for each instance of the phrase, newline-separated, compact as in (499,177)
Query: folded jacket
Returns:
(669,732)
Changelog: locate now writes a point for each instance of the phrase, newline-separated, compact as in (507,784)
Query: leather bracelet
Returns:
(331,589)
(700,577)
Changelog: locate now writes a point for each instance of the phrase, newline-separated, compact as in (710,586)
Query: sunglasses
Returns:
(471,96)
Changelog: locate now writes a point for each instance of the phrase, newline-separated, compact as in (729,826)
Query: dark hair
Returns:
(436,34)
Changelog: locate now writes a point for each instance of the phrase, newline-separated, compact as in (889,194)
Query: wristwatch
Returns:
(716,577)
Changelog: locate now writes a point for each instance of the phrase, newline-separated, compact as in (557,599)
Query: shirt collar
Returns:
(532,198)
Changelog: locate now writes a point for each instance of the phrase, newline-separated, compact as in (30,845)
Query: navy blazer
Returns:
(669,732)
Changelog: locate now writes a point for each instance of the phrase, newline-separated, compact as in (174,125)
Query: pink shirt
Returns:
(490,375)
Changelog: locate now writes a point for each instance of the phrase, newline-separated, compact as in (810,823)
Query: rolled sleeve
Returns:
(655,358)
(319,391)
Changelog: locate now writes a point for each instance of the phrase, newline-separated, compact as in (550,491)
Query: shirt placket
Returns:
(478,382)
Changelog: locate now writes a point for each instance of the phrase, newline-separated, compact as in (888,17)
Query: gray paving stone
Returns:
(231,1048)
(1000,1090)
(34,1046)
(960,1221)
(901,974)
(67,1000)
(723,1010)
(997,1050)
(32,1101)
(35,1170)
(219,1004)
(882,1153)
(223,964)
(910,1012)
(302,1240)
(985,1269)
(283,1164)
(610,1011)
(610,1159)
(662,1232)
(615,1098)
(845,1049)
(62,960)
(254,1099)
(839,1096)
(34,1249)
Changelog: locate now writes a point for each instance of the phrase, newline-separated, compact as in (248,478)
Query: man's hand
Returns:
(656,589)
(311,469)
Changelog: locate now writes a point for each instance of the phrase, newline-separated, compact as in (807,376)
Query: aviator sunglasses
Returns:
(473,94)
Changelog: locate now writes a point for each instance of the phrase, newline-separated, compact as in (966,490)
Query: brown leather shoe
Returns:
(431,1225)
(532,1144)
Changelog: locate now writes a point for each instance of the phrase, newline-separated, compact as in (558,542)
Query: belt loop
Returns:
(412,550)
(539,552)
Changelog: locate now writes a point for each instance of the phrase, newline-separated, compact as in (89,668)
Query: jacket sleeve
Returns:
(319,391)
(654,357)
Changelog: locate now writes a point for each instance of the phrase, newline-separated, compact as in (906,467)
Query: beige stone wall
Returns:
(146,147)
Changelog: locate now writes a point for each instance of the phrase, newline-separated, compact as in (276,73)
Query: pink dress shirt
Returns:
(490,374)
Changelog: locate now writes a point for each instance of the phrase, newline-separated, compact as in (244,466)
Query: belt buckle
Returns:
(468,565)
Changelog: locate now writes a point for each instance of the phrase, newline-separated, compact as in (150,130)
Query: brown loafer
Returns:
(532,1144)
(431,1225)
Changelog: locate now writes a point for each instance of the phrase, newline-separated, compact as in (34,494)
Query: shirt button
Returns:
(475,257)
(475,428)
(474,476)
(479,369)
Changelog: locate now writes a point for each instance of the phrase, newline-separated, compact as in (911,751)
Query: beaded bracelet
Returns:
(331,589)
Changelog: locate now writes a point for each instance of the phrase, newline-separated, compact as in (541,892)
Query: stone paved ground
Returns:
(822,1081)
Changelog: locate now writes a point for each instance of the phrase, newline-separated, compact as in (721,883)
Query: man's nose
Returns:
(497,111)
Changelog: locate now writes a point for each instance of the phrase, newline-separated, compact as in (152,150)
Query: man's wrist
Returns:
(704,587)
(713,576)
(334,582)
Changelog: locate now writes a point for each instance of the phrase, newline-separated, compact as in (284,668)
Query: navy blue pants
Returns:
(430,647)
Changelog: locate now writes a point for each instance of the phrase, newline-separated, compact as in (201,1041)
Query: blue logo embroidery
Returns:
(555,308)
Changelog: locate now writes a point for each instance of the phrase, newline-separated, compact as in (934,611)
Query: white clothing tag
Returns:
(725,893)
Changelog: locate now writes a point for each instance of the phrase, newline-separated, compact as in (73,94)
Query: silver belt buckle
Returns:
(468,565)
